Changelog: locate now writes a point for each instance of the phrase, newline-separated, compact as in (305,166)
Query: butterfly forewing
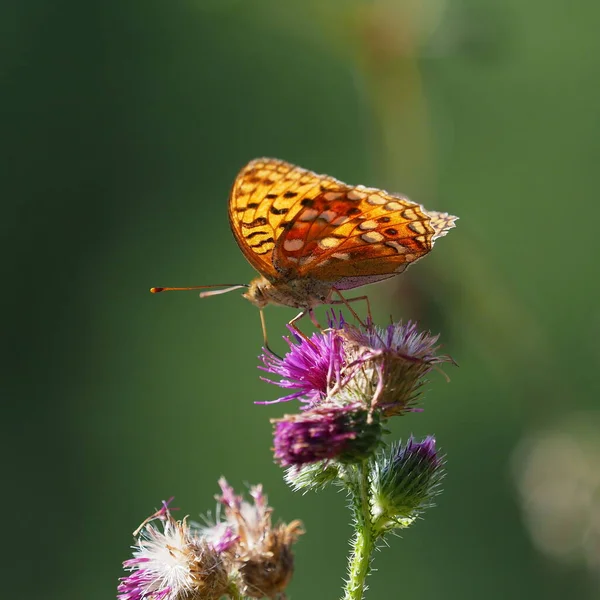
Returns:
(266,196)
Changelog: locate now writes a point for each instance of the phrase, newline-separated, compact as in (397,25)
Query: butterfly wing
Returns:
(352,236)
(266,196)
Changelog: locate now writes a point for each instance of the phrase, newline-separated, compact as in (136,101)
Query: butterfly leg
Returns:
(311,314)
(295,327)
(347,301)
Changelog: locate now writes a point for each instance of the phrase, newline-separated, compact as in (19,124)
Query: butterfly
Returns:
(311,237)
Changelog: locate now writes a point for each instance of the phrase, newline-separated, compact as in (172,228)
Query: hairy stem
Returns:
(234,593)
(363,543)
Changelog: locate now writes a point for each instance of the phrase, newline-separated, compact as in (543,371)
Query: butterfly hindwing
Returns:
(359,234)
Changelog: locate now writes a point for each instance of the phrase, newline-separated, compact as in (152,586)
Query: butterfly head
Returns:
(259,292)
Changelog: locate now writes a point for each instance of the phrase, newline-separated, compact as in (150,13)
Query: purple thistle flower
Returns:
(345,433)
(312,367)
(403,339)
(391,364)
(404,482)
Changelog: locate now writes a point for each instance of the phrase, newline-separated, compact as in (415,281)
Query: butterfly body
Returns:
(304,292)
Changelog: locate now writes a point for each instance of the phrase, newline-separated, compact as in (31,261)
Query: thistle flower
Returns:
(171,563)
(262,554)
(346,433)
(404,482)
(392,364)
(382,367)
(312,366)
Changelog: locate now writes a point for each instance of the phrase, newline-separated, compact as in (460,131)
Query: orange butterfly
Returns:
(311,236)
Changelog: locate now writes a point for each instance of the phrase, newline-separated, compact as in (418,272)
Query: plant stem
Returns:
(363,543)
(234,593)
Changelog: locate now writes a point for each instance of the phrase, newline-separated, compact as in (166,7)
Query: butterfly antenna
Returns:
(229,287)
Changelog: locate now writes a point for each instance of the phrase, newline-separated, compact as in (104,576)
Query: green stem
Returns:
(234,593)
(363,544)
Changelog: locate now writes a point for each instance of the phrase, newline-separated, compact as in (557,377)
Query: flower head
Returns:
(262,553)
(171,563)
(405,480)
(311,366)
(382,367)
(345,433)
(391,364)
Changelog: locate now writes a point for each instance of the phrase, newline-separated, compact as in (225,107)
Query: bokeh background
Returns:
(123,125)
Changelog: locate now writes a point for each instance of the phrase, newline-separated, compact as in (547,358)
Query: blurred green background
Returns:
(123,126)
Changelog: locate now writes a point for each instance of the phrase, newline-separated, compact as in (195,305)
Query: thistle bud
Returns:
(314,476)
(404,482)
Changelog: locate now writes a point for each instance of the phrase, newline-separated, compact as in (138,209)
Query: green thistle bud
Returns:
(404,482)
(312,477)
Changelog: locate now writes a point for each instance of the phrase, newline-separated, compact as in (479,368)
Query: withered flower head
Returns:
(172,563)
(262,552)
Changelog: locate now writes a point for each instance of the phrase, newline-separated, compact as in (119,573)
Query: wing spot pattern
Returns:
(367,225)
(329,242)
(400,249)
(355,195)
(309,215)
(328,215)
(330,196)
(255,233)
(417,227)
(376,200)
(293,245)
(373,237)
(262,243)
(256,223)
(278,211)
(393,206)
